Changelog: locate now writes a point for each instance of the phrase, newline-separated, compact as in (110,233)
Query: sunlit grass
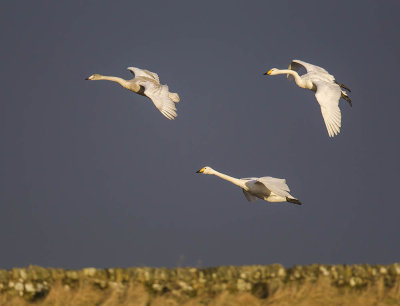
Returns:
(320,292)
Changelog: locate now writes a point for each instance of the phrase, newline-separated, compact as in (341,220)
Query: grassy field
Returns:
(246,285)
(319,293)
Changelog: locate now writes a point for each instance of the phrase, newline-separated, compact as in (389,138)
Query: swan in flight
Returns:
(327,91)
(147,84)
(265,188)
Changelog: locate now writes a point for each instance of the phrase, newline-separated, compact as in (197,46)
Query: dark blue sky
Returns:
(93,175)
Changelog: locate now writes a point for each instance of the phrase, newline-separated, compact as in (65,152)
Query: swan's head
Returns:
(94,77)
(272,71)
(206,170)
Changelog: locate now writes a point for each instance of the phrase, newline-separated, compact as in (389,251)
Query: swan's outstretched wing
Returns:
(296,65)
(276,185)
(249,196)
(328,96)
(144,73)
(159,94)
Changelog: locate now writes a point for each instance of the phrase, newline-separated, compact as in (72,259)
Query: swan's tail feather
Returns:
(174,97)
(293,200)
(346,97)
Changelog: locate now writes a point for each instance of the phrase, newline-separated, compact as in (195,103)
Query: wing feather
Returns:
(144,73)
(276,185)
(296,65)
(307,66)
(159,94)
(328,96)
(249,196)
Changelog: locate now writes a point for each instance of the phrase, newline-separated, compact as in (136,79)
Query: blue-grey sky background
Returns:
(93,175)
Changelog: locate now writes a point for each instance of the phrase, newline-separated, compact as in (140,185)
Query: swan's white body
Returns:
(266,188)
(327,91)
(147,84)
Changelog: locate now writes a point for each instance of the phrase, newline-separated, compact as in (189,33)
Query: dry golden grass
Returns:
(319,293)
(323,293)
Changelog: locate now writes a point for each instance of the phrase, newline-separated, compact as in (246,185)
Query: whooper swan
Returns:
(327,91)
(147,84)
(265,188)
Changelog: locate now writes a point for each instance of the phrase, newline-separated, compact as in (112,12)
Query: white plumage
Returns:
(147,83)
(327,91)
(266,188)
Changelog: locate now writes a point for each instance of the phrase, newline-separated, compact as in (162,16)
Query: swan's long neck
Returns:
(231,179)
(121,81)
(299,81)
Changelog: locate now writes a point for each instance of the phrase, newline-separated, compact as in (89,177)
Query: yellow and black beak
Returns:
(200,171)
(269,72)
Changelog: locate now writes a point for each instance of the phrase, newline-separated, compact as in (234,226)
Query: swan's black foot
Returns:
(343,86)
(294,201)
(346,97)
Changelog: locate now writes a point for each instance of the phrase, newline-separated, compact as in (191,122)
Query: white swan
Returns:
(327,91)
(265,188)
(147,84)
